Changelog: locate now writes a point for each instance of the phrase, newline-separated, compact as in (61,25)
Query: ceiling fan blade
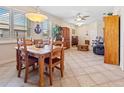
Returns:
(85,16)
(83,19)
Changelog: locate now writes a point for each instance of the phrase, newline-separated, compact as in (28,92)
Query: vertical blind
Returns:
(4,23)
(4,16)
(9,25)
(20,21)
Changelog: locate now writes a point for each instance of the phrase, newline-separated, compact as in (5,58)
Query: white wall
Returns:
(90,29)
(100,25)
(7,53)
(121,13)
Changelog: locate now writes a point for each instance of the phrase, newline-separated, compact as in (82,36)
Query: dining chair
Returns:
(28,42)
(56,60)
(24,58)
(38,41)
(47,41)
(58,43)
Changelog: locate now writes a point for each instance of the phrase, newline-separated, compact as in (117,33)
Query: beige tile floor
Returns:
(82,69)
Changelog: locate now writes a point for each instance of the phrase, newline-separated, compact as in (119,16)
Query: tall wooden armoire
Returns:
(66,35)
(111,40)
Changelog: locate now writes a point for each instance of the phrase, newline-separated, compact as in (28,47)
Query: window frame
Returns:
(10,39)
(8,24)
(26,27)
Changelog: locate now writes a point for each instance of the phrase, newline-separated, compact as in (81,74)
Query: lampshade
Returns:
(36,17)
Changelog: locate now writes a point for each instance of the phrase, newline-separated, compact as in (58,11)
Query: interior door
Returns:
(111,35)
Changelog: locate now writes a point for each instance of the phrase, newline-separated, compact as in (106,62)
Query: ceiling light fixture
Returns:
(36,17)
(78,19)
(79,23)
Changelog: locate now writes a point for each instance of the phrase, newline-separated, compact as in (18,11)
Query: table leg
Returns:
(41,71)
(62,63)
(63,58)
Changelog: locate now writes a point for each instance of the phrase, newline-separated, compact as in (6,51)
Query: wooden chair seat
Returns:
(55,61)
(32,59)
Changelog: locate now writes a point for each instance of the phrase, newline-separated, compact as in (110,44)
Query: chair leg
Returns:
(52,69)
(26,74)
(33,66)
(46,69)
(50,75)
(19,69)
(61,68)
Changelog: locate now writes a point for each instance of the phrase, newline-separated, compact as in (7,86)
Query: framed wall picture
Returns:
(38,29)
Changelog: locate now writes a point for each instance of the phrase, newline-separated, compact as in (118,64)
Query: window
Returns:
(12,21)
(4,23)
(45,25)
(45,28)
(20,23)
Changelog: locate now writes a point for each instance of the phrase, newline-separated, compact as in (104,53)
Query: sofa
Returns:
(99,48)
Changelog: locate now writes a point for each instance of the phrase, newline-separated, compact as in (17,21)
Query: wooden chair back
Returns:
(56,53)
(47,41)
(22,50)
(38,41)
(28,42)
(59,43)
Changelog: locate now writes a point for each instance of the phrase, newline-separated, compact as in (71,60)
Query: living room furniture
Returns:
(98,45)
(74,40)
(98,49)
(87,42)
(84,47)
(66,36)
(111,39)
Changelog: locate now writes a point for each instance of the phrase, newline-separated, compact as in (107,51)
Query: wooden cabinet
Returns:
(66,35)
(74,40)
(111,38)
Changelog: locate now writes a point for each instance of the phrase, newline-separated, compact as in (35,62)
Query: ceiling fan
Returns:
(80,17)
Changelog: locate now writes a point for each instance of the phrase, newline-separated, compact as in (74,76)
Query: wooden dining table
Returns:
(41,54)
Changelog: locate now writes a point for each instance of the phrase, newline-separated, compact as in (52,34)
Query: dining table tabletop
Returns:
(41,54)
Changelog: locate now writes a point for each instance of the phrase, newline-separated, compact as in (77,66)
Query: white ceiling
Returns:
(67,13)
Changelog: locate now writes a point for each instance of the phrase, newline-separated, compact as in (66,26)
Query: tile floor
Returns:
(82,69)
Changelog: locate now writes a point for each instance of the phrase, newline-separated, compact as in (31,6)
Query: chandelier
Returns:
(36,17)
